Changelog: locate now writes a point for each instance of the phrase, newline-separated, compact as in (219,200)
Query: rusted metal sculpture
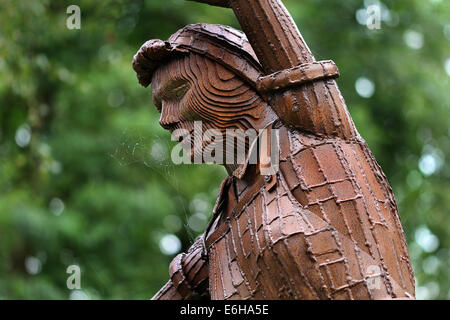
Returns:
(325,226)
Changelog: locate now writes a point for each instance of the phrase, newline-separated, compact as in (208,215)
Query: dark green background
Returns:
(95,186)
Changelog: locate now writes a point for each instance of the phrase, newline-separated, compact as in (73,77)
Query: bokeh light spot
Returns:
(56,206)
(158,152)
(23,135)
(116,98)
(431,265)
(447,66)
(33,265)
(169,244)
(413,39)
(426,239)
(197,222)
(78,295)
(172,223)
(365,87)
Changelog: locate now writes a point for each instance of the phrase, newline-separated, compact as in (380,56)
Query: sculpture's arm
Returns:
(168,292)
(188,276)
(304,97)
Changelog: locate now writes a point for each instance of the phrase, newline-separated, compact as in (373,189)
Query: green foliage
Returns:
(94,184)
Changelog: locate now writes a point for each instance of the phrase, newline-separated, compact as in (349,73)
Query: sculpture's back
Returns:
(329,229)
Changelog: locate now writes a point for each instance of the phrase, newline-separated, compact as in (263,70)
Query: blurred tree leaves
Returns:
(85,171)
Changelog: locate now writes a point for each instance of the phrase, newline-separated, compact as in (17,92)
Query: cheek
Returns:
(203,107)
(193,110)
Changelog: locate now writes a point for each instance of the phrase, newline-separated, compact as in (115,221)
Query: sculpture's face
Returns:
(195,88)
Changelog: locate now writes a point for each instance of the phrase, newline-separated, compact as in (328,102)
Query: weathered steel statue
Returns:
(325,225)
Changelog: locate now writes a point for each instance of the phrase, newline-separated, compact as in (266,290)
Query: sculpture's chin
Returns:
(214,148)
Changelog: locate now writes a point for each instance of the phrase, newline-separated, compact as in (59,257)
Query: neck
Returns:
(266,117)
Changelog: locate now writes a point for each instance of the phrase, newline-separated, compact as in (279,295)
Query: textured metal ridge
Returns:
(295,76)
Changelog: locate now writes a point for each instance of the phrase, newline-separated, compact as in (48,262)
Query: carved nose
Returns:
(168,122)
(168,118)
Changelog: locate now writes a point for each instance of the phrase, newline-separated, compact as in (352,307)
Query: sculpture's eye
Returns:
(179,91)
(174,91)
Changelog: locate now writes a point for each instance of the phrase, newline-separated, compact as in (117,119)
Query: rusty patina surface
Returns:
(326,225)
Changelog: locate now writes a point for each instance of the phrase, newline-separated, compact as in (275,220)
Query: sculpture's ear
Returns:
(217,3)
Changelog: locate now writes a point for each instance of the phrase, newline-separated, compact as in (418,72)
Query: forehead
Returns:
(167,73)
